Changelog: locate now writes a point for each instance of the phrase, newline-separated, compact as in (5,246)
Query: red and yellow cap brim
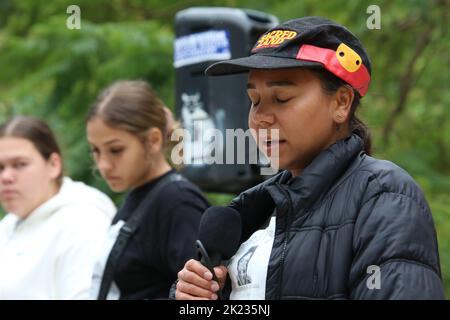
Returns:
(343,62)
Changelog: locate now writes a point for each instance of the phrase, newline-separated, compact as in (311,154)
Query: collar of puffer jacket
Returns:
(317,178)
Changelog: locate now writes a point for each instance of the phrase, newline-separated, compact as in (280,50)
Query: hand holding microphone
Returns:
(219,236)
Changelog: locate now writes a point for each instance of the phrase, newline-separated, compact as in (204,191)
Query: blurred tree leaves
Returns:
(55,73)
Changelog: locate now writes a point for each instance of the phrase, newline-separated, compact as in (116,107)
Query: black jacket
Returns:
(164,241)
(347,211)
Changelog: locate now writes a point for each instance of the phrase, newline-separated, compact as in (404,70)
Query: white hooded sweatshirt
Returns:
(51,253)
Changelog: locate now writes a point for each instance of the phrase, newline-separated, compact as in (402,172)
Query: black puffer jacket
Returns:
(347,211)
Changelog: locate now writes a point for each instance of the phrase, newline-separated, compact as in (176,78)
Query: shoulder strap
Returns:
(127,231)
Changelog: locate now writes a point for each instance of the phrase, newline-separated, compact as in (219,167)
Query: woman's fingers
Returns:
(184,296)
(195,291)
(197,274)
(221,274)
(195,281)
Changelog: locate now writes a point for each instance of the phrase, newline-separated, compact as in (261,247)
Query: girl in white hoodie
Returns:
(49,237)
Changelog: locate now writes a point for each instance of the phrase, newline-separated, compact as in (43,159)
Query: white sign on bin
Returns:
(200,47)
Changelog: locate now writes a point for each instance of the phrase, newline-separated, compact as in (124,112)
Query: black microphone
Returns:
(219,234)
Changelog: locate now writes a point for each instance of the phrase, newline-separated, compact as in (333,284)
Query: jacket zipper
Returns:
(286,237)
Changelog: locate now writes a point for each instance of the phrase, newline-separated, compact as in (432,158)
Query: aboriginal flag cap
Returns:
(312,42)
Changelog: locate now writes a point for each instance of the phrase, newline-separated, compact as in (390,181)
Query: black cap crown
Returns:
(313,42)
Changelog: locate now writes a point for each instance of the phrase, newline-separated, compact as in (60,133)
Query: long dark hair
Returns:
(331,84)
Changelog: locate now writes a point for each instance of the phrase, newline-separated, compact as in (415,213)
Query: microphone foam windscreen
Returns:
(220,231)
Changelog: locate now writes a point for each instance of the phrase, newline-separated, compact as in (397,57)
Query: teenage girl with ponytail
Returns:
(129,128)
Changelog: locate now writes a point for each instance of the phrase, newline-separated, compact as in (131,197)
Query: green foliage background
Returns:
(50,71)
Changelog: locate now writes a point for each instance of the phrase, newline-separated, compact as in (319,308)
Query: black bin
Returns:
(205,35)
